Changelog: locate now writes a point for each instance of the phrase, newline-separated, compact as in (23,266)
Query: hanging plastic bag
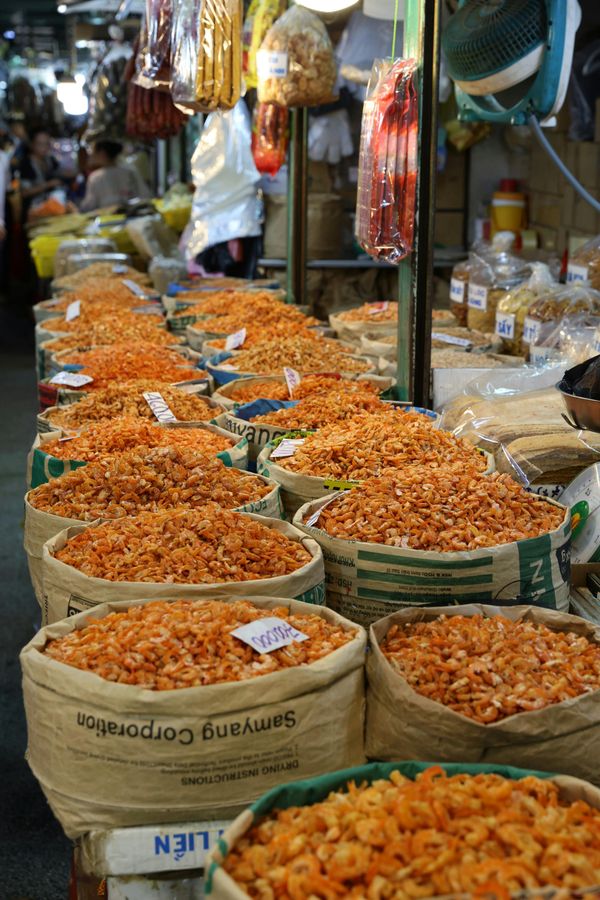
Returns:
(295,63)
(150,110)
(270,136)
(226,203)
(108,97)
(259,18)
(153,59)
(207,54)
(387,172)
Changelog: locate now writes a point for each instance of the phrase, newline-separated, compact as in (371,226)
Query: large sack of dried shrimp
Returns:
(420,537)
(179,553)
(186,400)
(144,712)
(52,455)
(345,452)
(273,387)
(139,480)
(475,683)
(410,829)
(373,320)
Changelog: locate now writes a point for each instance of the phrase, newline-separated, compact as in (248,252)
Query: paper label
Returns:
(159,406)
(375,308)
(134,288)
(270,64)
(505,325)
(576,272)
(73,310)
(539,356)
(450,339)
(531,330)
(457,290)
(153,310)
(270,633)
(314,518)
(232,341)
(292,379)
(287,447)
(478,296)
(71,379)
(119,269)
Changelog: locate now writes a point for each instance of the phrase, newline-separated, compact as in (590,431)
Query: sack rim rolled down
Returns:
(91,584)
(223,376)
(425,555)
(316,789)
(221,396)
(542,722)
(82,685)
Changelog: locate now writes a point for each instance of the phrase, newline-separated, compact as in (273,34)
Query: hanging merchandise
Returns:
(270,137)
(226,203)
(387,174)
(153,59)
(108,96)
(207,54)
(150,111)
(259,18)
(295,63)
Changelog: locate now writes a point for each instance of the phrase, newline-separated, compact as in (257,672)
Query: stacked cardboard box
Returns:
(557,213)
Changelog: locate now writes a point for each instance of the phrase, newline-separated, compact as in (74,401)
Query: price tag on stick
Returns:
(159,406)
(73,310)
(292,378)
(71,379)
(270,633)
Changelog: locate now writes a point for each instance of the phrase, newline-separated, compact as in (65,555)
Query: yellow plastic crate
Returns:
(43,250)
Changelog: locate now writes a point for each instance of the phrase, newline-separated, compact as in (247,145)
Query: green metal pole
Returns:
(415,277)
(297,207)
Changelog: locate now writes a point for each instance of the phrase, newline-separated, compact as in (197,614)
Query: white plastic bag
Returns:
(226,204)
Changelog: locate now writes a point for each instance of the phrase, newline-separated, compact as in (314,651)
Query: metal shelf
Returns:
(446,257)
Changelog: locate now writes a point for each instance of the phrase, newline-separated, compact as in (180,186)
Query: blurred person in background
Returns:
(111,183)
(39,170)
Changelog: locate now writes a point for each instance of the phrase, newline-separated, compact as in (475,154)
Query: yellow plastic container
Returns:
(508,212)
(176,217)
(43,250)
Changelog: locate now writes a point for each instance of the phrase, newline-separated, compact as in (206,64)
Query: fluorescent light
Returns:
(71,95)
(62,8)
(327,6)
(10,35)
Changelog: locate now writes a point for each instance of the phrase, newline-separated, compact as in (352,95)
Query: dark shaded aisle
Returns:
(34,854)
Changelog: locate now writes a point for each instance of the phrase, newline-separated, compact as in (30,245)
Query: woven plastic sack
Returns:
(387,168)
(295,63)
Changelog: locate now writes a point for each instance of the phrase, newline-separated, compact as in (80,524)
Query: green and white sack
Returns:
(403,724)
(258,434)
(115,755)
(40,526)
(41,466)
(368,581)
(220,886)
(68,591)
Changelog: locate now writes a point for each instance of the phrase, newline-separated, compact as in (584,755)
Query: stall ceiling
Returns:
(36,25)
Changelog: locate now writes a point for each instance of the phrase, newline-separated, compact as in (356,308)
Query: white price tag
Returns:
(270,64)
(119,269)
(576,272)
(292,379)
(287,447)
(134,288)
(73,310)
(150,310)
(505,325)
(450,339)
(375,308)
(71,379)
(232,341)
(539,356)
(531,330)
(159,406)
(478,296)
(457,290)
(314,518)
(270,633)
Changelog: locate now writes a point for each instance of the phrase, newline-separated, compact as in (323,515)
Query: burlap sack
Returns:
(52,396)
(41,526)
(220,886)
(112,755)
(402,724)
(42,466)
(68,591)
(368,581)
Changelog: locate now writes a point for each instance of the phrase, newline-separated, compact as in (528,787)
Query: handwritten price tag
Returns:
(134,288)
(159,406)
(287,447)
(73,310)
(375,308)
(235,340)
(505,325)
(71,379)
(531,330)
(457,290)
(450,339)
(577,273)
(292,379)
(270,633)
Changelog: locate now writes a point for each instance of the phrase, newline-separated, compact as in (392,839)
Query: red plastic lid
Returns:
(509,185)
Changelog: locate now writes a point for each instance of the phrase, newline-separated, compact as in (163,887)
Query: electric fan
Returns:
(511,59)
